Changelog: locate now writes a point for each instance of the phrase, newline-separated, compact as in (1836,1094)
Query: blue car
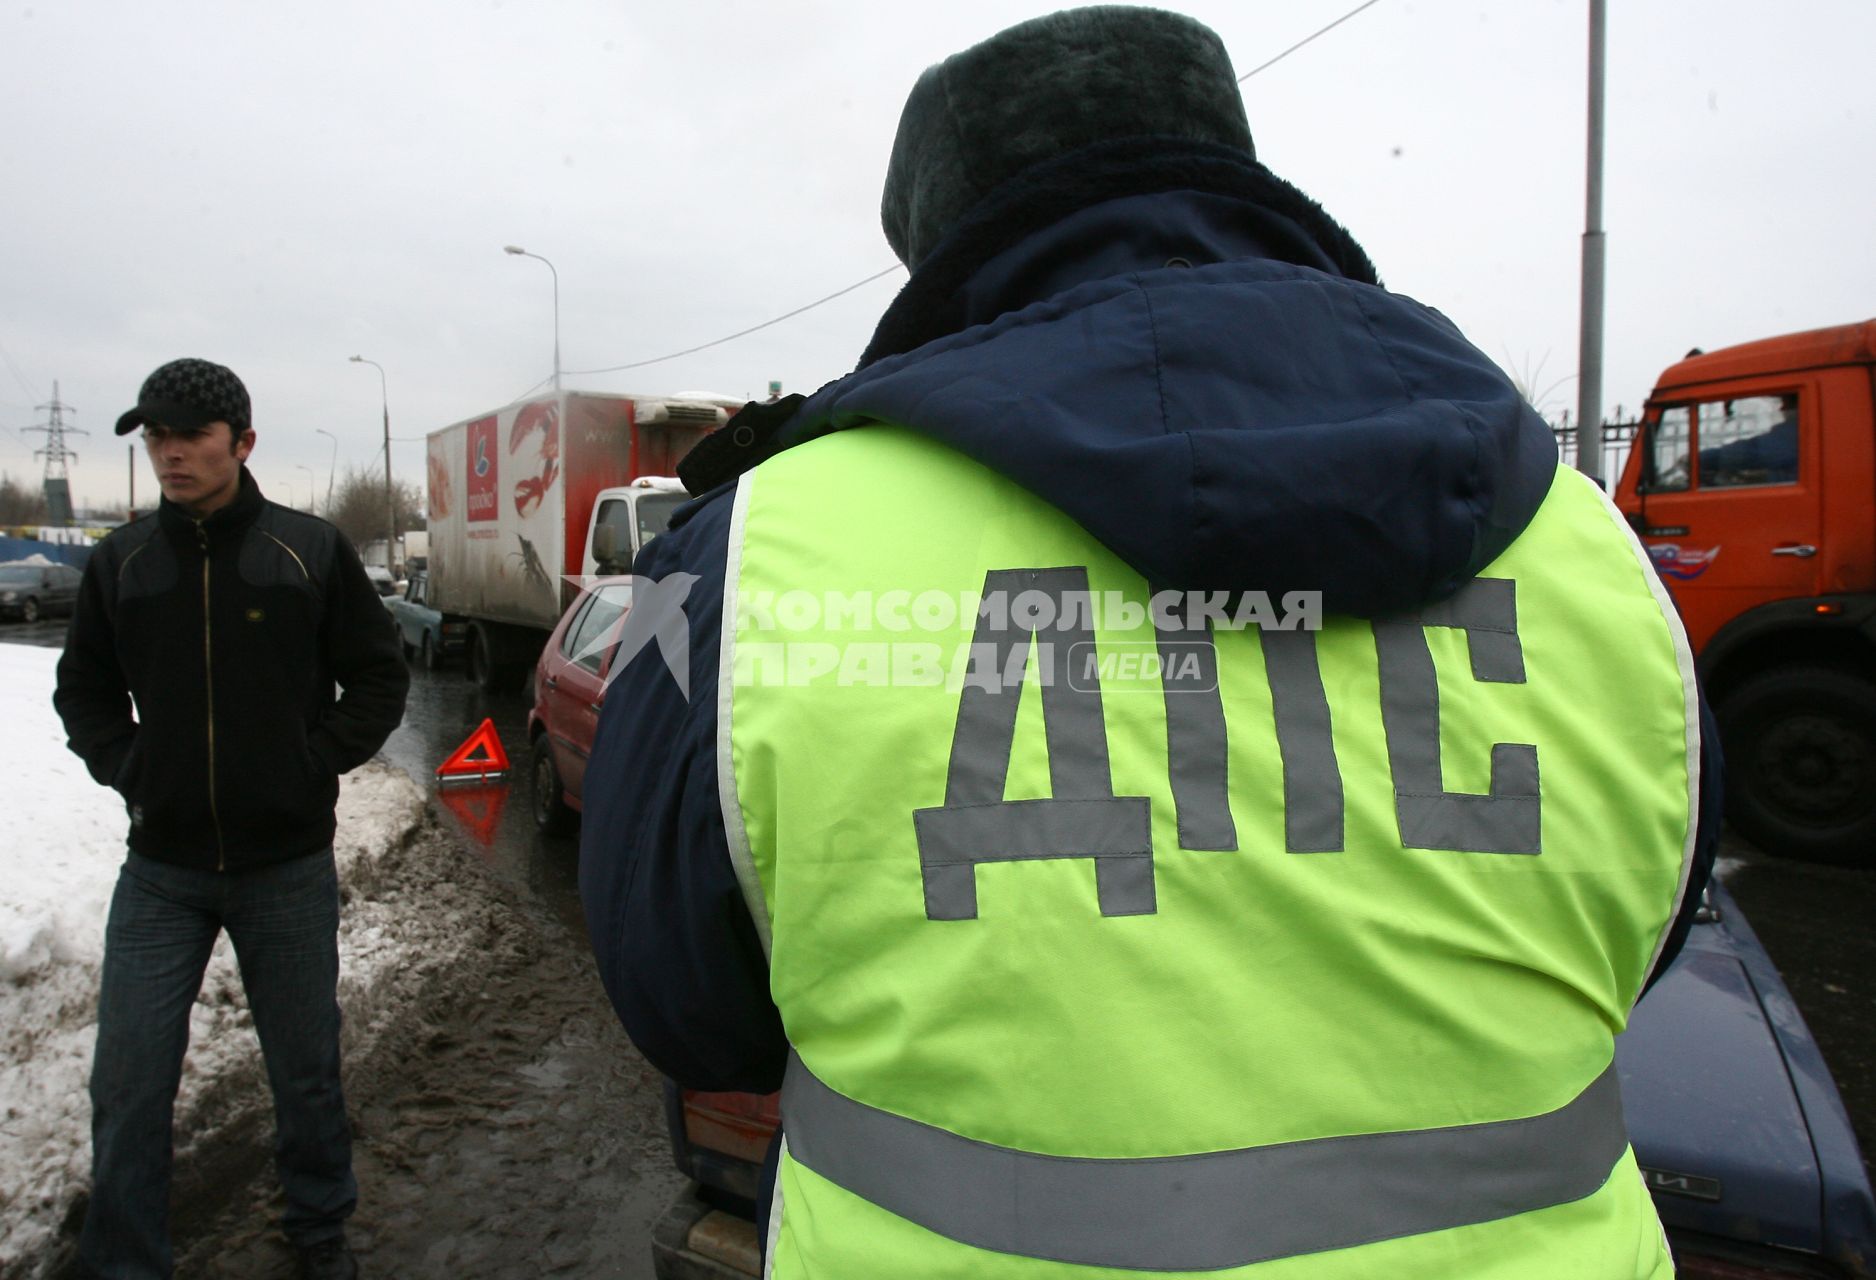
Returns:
(1735,1120)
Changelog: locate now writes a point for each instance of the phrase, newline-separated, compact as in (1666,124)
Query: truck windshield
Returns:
(654,513)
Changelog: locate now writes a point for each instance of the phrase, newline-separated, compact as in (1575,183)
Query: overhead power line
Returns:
(1306,39)
(13,364)
(743,333)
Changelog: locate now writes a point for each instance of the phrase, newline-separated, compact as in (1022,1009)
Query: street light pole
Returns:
(519,252)
(330,466)
(390,500)
(1589,351)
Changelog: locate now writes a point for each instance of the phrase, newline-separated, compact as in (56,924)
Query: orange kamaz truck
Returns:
(1752,483)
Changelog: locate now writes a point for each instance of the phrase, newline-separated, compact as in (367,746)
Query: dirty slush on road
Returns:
(503,1124)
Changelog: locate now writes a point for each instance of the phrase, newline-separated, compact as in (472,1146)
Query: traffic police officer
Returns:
(1174,777)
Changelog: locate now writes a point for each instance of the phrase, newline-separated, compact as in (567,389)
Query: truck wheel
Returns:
(552,815)
(432,658)
(1801,763)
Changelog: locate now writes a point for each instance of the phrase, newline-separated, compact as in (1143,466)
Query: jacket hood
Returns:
(1250,421)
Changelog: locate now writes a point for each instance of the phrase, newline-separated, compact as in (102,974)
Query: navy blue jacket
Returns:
(1206,392)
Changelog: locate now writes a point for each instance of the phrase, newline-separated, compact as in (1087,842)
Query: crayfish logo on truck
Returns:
(534,444)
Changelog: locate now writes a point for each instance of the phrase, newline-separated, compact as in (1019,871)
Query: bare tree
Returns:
(358,505)
(21,503)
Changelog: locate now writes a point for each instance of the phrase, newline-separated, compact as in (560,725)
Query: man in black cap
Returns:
(1312,954)
(197,681)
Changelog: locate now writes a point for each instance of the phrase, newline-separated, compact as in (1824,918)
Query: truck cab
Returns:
(633,514)
(1752,485)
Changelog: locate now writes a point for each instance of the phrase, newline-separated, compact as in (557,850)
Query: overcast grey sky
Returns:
(279,186)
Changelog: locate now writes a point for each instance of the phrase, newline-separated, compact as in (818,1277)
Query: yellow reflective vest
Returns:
(1120,930)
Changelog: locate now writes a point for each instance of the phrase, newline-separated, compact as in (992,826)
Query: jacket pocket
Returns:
(166,790)
(282,787)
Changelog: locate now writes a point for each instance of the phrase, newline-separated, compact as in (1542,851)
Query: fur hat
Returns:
(1043,88)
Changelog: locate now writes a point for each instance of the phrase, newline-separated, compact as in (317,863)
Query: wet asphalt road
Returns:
(1813,921)
(494,821)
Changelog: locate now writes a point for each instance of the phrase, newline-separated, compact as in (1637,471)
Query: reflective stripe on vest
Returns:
(1208,1211)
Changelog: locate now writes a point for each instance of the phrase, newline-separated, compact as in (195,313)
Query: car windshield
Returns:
(19,575)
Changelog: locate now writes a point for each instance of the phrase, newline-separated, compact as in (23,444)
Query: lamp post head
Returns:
(513,248)
(358,359)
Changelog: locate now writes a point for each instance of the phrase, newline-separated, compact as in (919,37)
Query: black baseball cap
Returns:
(187,395)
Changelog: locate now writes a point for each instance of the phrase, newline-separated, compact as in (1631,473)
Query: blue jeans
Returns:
(284,923)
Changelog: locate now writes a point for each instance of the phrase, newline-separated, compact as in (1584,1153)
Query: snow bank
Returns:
(62,844)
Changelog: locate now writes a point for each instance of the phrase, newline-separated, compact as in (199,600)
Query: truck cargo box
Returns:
(510,493)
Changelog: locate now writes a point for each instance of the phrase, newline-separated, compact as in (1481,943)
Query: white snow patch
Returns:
(61,847)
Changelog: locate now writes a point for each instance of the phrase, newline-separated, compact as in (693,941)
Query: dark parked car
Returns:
(1736,1122)
(31,591)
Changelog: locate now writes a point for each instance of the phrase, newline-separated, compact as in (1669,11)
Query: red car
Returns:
(569,682)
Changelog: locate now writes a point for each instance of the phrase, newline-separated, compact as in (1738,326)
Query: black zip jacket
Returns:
(228,633)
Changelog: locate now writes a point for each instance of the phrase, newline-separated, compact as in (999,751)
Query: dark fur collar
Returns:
(929,306)
(926,307)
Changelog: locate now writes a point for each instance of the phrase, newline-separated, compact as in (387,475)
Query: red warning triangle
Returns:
(478,808)
(479,756)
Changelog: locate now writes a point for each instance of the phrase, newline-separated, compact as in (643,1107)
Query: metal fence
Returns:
(1617,439)
(74,554)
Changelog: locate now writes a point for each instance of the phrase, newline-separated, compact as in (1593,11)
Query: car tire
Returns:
(1800,747)
(428,654)
(29,610)
(553,816)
